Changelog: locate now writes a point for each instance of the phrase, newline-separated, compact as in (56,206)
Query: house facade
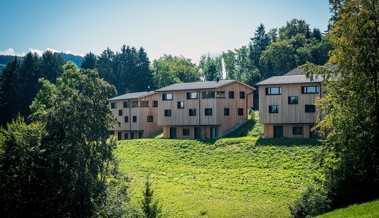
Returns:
(137,115)
(287,105)
(203,109)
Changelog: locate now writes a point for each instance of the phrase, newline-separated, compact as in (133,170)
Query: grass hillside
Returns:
(365,210)
(229,177)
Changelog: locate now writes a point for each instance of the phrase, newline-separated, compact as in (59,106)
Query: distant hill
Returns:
(4,59)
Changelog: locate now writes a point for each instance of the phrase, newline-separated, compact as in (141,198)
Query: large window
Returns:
(144,103)
(155,103)
(126,136)
(167,97)
(240,111)
(208,111)
(192,112)
(310,108)
(186,131)
(273,91)
(220,94)
(309,89)
(226,111)
(113,105)
(126,119)
(209,94)
(167,113)
(150,119)
(242,95)
(120,112)
(231,94)
(297,130)
(180,104)
(126,104)
(134,103)
(273,109)
(134,119)
(192,95)
(293,100)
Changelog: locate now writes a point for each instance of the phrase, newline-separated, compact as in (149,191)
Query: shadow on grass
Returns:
(288,141)
(242,130)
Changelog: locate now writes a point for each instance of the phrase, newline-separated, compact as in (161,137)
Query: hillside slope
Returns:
(365,210)
(235,177)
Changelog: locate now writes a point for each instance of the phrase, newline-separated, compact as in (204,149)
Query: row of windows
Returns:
(134,118)
(309,108)
(205,95)
(207,112)
(132,135)
(127,104)
(304,90)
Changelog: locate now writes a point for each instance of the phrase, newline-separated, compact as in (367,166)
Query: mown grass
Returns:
(228,177)
(365,210)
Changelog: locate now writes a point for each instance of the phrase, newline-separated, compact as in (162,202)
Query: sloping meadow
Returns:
(234,177)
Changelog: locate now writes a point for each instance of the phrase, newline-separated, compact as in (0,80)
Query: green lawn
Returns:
(365,210)
(229,177)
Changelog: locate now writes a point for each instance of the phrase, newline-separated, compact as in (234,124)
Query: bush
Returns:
(312,202)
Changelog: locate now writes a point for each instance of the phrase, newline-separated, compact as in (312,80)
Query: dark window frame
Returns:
(271,109)
(192,112)
(186,131)
(242,95)
(310,108)
(269,91)
(226,111)
(126,104)
(304,90)
(167,112)
(165,97)
(240,111)
(120,112)
(208,94)
(134,119)
(113,105)
(155,103)
(297,130)
(189,95)
(144,103)
(180,105)
(126,119)
(290,101)
(208,111)
(150,118)
(231,94)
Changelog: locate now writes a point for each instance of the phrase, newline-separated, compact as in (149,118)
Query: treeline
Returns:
(19,82)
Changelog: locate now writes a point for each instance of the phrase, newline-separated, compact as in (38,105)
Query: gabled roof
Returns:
(199,85)
(134,95)
(291,79)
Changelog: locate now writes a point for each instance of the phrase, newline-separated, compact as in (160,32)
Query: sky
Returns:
(182,28)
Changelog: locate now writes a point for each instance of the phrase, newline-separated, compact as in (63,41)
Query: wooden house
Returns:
(287,105)
(203,109)
(137,114)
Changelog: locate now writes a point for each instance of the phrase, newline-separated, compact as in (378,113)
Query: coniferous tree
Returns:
(51,66)
(89,61)
(150,208)
(8,92)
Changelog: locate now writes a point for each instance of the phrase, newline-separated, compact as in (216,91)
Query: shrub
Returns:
(312,202)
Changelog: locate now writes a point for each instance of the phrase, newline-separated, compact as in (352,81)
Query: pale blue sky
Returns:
(187,28)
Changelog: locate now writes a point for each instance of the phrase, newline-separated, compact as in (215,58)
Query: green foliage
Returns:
(89,61)
(168,70)
(312,202)
(210,67)
(365,210)
(229,177)
(350,108)
(23,169)
(150,208)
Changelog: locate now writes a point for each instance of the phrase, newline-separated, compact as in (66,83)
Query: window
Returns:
(134,119)
(155,103)
(167,113)
(180,104)
(126,104)
(119,135)
(144,103)
(186,131)
(114,105)
(273,108)
(226,111)
(126,119)
(297,130)
(134,103)
(192,112)
(120,112)
(192,95)
(220,94)
(208,111)
(209,94)
(150,119)
(273,91)
(132,135)
(231,94)
(310,108)
(140,135)
(309,89)
(240,111)
(293,100)
(126,136)
(167,97)
(242,95)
